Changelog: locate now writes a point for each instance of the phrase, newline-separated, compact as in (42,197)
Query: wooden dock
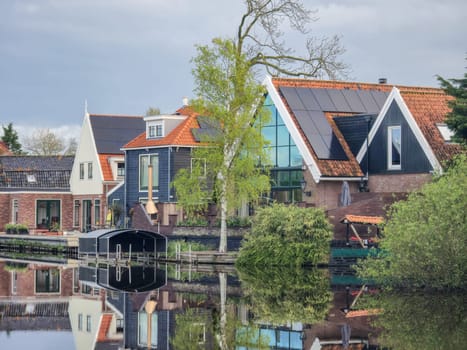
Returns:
(204,257)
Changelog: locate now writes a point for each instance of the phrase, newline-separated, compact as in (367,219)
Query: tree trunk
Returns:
(222,339)
(223,233)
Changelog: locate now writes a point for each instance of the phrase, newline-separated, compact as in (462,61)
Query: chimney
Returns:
(150,206)
(185,101)
(382,81)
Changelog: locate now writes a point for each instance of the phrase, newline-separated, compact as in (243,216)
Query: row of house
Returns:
(332,143)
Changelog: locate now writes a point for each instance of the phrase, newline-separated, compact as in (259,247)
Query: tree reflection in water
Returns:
(422,321)
(281,294)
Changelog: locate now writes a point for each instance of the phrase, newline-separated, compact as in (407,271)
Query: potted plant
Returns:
(54,227)
(10,229)
(22,229)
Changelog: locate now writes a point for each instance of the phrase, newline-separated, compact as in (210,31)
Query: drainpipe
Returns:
(168,177)
(125,182)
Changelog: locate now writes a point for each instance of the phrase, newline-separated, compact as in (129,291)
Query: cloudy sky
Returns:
(123,56)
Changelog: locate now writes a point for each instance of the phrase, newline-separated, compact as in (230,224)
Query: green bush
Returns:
(425,237)
(287,235)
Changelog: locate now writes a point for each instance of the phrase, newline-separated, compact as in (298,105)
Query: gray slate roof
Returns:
(35,173)
(112,132)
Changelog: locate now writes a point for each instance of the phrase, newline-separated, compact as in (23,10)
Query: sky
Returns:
(124,56)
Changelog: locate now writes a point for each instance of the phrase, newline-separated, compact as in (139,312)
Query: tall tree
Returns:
(44,143)
(457,118)
(10,137)
(229,94)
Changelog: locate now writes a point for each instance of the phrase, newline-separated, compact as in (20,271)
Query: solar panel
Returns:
(356,105)
(339,100)
(292,98)
(323,99)
(308,99)
(368,101)
(380,97)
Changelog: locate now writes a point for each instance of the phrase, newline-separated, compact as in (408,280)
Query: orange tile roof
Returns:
(106,320)
(104,160)
(427,105)
(358,219)
(180,136)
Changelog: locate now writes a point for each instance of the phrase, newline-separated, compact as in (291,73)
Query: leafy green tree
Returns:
(10,137)
(229,94)
(287,294)
(44,143)
(415,321)
(457,119)
(425,243)
(287,235)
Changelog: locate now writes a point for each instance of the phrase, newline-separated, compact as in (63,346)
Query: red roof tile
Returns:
(180,136)
(4,150)
(104,159)
(358,219)
(429,107)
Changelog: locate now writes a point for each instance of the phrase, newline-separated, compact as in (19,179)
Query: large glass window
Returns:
(394,147)
(144,161)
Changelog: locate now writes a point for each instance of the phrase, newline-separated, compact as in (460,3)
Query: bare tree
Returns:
(261,39)
(44,143)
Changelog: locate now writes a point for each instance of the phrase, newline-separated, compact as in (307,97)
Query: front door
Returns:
(48,214)
(87,215)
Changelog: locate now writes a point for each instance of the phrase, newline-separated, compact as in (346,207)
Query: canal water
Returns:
(86,305)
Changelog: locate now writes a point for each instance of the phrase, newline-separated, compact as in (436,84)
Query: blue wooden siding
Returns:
(171,159)
(413,159)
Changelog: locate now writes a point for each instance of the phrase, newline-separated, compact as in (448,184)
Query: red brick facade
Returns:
(27,208)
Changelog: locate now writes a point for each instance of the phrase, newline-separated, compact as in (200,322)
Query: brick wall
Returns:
(27,203)
(398,182)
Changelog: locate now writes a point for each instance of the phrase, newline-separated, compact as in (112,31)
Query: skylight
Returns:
(446,133)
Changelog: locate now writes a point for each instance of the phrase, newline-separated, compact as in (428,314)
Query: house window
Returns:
(152,131)
(120,169)
(15,211)
(147,329)
(394,147)
(155,130)
(88,323)
(81,171)
(76,206)
(48,281)
(144,161)
(80,322)
(97,212)
(199,162)
(89,170)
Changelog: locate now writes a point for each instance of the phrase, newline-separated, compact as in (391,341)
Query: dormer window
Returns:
(155,130)
(394,147)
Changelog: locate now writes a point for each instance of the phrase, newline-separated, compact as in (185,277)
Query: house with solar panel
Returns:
(166,145)
(99,169)
(35,191)
(331,141)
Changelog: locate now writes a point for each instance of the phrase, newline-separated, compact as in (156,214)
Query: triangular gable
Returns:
(293,130)
(396,97)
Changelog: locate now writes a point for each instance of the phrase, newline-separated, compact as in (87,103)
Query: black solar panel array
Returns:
(209,129)
(309,105)
(111,133)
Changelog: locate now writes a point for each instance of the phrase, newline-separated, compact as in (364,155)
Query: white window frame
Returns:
(155,129)
(14,211)
(155,170)
(89,170)
(392,166)
(198,160)
(81,171)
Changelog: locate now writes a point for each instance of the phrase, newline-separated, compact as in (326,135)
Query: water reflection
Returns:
(143,306)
